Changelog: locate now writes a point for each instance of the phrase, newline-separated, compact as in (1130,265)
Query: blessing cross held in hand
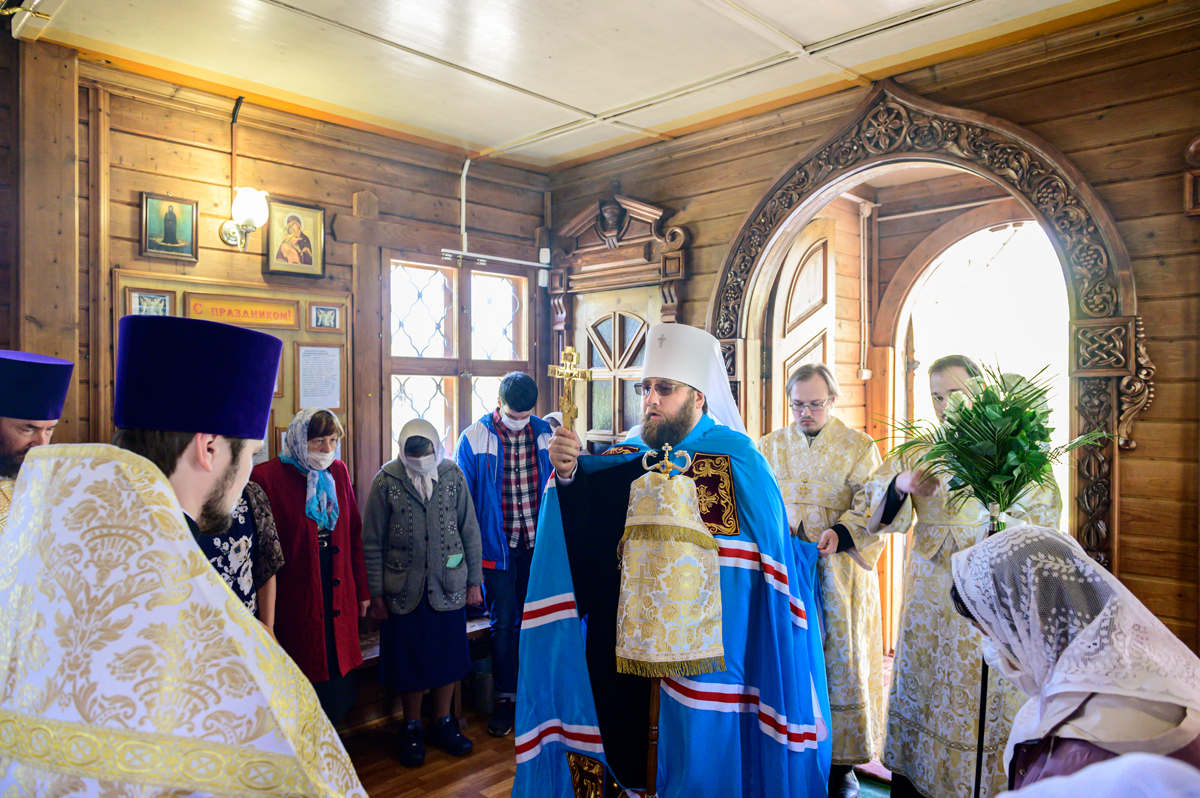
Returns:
(568,372)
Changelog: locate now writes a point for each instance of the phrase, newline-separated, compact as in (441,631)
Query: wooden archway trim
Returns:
(1110,369)
(885,329)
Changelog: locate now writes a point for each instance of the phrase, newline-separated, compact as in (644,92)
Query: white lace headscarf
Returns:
(1069,626)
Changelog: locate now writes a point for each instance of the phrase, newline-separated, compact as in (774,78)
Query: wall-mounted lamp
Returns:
(249,213)
(249,206)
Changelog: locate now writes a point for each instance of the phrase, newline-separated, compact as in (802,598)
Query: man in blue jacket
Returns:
(505,458)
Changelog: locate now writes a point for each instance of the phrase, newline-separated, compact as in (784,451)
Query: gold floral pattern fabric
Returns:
(933,704)
(820,478)
(669,615)
(132,669)
(6,492)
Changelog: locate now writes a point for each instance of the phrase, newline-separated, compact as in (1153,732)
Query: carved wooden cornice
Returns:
(617,243)
(1112,371)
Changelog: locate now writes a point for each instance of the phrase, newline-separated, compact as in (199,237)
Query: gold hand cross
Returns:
(568,372)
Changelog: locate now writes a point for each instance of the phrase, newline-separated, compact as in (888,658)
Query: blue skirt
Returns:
(423,649)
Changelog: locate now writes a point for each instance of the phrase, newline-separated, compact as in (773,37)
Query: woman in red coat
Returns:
(322,589)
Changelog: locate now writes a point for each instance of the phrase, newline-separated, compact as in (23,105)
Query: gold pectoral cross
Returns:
(568,372)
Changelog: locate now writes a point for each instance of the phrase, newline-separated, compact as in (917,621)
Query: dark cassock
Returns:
(756,728)
(33,388)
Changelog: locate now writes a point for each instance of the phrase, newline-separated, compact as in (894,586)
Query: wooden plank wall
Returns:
(852,406)
(8,186)
(1121,99)
(164,139)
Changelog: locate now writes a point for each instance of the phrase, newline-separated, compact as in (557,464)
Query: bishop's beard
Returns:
(669,429)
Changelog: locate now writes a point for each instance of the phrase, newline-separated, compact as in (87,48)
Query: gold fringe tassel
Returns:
(669,533)
(665,670)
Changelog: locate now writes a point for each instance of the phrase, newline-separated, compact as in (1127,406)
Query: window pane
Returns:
(629,328)
(595,357)
(423,318)
(639,357)
(604,328)
(600,398)
(430,398)
(497,317)
(631,406)
(484,392)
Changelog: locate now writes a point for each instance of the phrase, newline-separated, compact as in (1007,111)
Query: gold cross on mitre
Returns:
(667,465)
(568,372)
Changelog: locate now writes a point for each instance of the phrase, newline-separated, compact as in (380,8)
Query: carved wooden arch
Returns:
(1111,372)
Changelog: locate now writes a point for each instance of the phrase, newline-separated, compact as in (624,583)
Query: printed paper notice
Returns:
(319,373)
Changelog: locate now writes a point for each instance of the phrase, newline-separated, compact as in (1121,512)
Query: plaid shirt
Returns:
(519,499)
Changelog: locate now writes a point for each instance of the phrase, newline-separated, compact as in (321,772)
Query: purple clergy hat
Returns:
(188,375)
(33,387)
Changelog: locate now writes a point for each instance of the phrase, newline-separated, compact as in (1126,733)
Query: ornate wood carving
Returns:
(617,243)
(1110,366)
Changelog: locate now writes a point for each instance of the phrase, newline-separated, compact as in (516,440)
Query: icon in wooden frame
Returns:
(326,317)
(149,302)
(295,239)
(170,227)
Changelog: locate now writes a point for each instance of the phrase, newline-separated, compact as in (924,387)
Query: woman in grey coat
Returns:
(423,556)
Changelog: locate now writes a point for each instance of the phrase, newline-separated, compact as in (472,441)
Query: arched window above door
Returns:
(616,348)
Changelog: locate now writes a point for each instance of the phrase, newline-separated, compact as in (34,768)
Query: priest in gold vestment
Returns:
(33,390)
(822,466)
(130,667)
(933,704)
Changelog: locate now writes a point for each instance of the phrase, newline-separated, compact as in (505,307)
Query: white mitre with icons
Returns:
(692,356)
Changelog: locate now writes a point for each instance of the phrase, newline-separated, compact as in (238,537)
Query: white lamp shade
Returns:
(249,208)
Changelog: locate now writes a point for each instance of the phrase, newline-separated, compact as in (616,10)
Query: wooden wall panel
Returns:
(139,134)
(1120,99)
(8,186)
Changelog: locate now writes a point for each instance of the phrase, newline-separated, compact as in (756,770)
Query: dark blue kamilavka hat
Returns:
(189,375)
(33,387)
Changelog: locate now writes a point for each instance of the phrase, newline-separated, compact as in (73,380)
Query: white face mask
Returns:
(421,465)
(319,461)
(513,424)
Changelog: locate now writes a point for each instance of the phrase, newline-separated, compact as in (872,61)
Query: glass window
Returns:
(430,398)
(497,317)
(436,374)
(484,392)
(422,305)
(616,350)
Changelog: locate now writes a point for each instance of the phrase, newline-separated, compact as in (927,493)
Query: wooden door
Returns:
(802,315)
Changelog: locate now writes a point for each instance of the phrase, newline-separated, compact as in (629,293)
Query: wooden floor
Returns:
(486,772)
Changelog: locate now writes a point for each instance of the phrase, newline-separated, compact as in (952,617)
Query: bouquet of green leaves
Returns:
(994,443)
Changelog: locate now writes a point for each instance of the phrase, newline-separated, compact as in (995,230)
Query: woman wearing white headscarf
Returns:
(1104,676)
(424,565)
(322,589)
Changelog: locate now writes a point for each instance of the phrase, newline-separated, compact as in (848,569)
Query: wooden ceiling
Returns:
(545,84)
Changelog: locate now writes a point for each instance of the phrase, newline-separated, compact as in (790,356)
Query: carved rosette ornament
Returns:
(1112,371)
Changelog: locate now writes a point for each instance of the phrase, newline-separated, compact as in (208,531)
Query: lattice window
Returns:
(616,348)
(445,361)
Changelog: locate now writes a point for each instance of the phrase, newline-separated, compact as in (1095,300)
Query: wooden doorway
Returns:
(801,315)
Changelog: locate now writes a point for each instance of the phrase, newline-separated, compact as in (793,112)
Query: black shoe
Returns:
(412,745)
(842,782)
(446,736)
(501,722)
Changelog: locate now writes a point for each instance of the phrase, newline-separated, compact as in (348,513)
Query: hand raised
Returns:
(564,451)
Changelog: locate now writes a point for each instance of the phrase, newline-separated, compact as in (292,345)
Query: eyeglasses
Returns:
(663,389)
(812,407)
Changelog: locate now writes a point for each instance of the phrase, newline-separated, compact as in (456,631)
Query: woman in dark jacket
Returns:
(322,588)
(424,565)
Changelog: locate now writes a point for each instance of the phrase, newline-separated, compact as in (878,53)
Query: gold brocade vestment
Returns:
(6,491)
(130,667)
(820,478)
(933,704)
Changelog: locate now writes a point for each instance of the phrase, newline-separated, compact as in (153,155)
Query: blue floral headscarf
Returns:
(320,497)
